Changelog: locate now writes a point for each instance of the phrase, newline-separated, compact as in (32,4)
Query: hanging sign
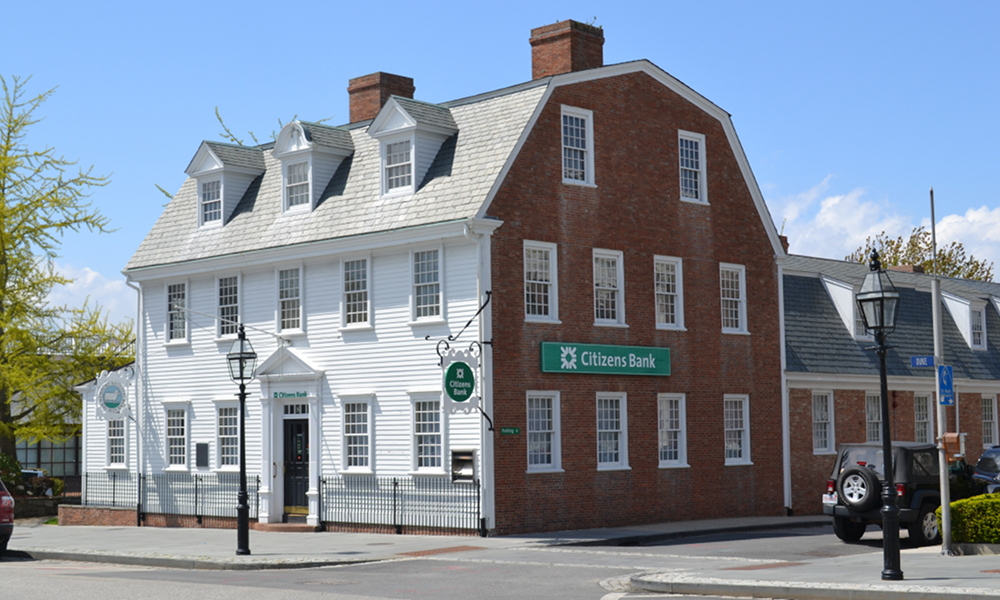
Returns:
(112,392)
(458,380)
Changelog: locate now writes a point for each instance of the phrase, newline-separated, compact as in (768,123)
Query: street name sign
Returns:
(921,361)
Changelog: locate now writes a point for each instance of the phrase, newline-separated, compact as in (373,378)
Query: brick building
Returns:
(597,229)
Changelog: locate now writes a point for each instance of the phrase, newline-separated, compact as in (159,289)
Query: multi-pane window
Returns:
(608,284)
(543,431)
(859,324)
(229,423)
(667,279)
(671,427)
(540,283)
(612,440)
(211,201)
(873,418)
(356,291)
(732,284)
(60,459)
(289,299)
(176,317)
(978,328)
(923,431)
(989,421)
(398,169)
(577,145)
(297,184)
(356,435)
(692,166)
(427,434)
(426,284)
(229,305)
(822,420)
(177,436)
(736,421)
(116,442)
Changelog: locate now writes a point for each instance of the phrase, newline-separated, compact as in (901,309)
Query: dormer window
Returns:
(398,168)
(297,184)
(310,155)
(211,202)
(970,318)
(977,327)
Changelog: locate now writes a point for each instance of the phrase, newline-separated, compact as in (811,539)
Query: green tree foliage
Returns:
(952,261)
(44,350)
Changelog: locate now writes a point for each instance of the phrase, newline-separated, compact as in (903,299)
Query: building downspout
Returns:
(487,461)
(140,438)
(786,443)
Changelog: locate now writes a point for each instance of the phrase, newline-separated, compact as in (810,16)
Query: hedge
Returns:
(975,520)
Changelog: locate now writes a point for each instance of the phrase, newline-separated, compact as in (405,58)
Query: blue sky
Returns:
(848,111)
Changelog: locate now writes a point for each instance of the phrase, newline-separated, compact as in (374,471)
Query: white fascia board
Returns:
(959,308)
(393,239)
(647,67)
(832,381)
(842,294)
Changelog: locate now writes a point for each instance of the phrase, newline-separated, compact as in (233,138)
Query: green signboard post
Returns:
(563,357)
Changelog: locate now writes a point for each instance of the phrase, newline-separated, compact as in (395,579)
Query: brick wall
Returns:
(635,208)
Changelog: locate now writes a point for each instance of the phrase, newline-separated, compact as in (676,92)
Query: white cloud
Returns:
(978,230)
(115,298)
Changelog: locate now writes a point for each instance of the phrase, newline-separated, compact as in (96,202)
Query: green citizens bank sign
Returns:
(559,357)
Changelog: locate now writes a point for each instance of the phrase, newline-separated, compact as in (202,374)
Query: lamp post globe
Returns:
(878,302)
(242,368)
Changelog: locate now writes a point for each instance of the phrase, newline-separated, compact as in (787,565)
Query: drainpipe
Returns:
(140,341)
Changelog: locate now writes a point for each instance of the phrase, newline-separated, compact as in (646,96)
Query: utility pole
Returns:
(942,417)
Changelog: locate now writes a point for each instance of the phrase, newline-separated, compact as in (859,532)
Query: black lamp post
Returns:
(242,364)
(878,301)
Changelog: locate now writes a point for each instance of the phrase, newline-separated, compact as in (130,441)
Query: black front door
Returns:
(296,465)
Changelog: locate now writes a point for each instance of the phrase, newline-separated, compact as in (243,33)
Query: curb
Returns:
(663,583)
(638,540)
(173,562)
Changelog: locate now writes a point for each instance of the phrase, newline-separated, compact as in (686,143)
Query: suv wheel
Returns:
(848,530)
(924,531)
(858,488)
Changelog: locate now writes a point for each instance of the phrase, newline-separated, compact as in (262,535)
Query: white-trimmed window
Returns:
(357,436)
(426,285)
(822,421)
(612,431)
(176,312)
(297,185)
(398,165)
(211,202)
(229,430)
(923,424)
(577,145)
(229,305)
(177,437)
(732,284)
(672,430)
(356,305)
(541,282)
(977,327)
(427,435)
(609,283)
(544,444)
(668,279)
(873,417)
(691,150)
(989,421)
(736,419)
(859,323)
(289,299)
(116,442)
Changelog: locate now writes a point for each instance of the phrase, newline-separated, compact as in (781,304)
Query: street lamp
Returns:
(878,301)
(242,364)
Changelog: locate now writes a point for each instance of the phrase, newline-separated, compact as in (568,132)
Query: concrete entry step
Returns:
(287,527)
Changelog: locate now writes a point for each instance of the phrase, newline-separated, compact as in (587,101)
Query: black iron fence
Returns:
(425,502)
(195,494)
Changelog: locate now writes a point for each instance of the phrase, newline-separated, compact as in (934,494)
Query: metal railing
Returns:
(424,502)
(194,494)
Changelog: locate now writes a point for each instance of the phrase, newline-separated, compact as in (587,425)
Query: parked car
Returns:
(854,491)
(986,477)
(6,518)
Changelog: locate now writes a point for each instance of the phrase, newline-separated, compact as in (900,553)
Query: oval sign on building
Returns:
(459,381)
(111,395)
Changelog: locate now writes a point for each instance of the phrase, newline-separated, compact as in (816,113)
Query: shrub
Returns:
(975,520)
(10,471)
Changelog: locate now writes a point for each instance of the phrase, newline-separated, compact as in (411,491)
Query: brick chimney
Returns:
(370,93)
(906,268)
(784,242)
(565,47)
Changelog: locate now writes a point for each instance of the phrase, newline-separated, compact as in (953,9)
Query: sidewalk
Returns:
(928,574)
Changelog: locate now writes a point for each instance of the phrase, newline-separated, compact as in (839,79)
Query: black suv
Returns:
(854,491)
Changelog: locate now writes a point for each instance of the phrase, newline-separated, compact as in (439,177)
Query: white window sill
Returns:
(614,468)
(227,469)
(116,467)
(398,192)
(177,343)
(429,473)
(176,469)
(675,466)
(824,452)
(538,470)
(535,319)
(428,321)
(298,209)
(211,225)
(225,339)
(356,327)
(661,327)
(292,333)
(357,471)
(607,324)
(694,201)
(741,463)
(735,332)
(577,182)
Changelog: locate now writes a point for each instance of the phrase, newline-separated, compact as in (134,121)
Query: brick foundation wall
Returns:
(635,208)
(90,515)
